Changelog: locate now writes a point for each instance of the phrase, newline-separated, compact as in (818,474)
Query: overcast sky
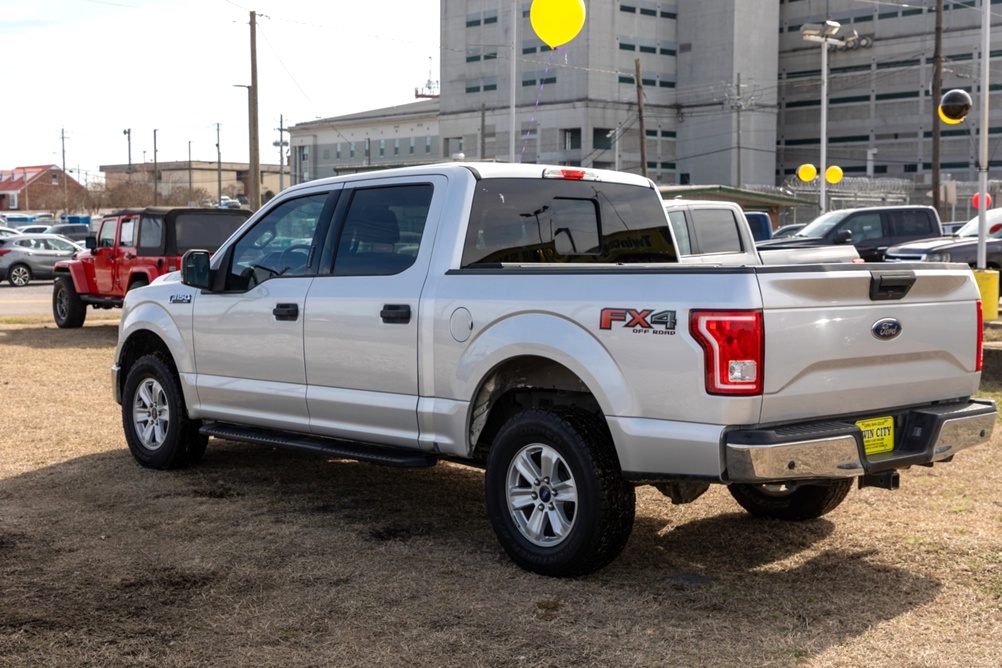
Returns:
(97,67)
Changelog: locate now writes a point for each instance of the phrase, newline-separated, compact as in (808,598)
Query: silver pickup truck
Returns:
(535,321)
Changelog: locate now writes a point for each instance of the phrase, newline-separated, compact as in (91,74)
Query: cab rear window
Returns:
(549,221)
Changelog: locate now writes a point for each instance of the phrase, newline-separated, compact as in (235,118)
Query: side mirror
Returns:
(90,242)
(195,269)
(843,237)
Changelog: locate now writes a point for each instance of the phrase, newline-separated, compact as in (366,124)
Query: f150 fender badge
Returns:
(886,329)
(180,299)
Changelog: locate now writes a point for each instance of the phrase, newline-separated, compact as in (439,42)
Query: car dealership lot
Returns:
(313,561)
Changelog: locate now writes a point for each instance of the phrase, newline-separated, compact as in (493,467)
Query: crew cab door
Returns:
(248,332)
(361,335)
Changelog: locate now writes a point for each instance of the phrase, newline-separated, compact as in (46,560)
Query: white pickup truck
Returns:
(535,321)
(718,233)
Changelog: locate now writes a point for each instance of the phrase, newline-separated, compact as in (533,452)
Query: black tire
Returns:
(19,275)
(806,502)
(67,308)
(138,283)
(566,539)
(157,428)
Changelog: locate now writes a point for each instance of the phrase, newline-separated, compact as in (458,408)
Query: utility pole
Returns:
(189,170)
(515,15)
(255,154)
(937,95)
(66,198)
(640,117)
(281,144)
(738,103)
(219,168)
(156,186)
(128,133)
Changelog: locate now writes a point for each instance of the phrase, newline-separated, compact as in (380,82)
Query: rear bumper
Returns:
(834,449)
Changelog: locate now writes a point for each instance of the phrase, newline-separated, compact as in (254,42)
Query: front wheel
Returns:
(555,494)
(157,428)
(19,275)
(778,501)
(68,309)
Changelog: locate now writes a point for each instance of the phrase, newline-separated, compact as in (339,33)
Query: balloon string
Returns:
(535,107)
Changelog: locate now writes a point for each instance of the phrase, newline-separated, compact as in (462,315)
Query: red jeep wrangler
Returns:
(131,249)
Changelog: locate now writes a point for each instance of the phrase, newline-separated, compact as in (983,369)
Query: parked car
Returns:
(25,257)
(74,231)
(787,230)
(131,249)
(960,247)
(8,232)
(33,229)
(872,230)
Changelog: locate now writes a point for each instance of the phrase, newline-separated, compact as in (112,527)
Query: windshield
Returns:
(994,219)
(820,226)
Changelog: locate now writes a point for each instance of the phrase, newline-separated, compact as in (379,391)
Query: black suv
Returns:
(872,230)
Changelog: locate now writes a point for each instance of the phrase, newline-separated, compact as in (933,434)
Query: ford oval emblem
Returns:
(886,329)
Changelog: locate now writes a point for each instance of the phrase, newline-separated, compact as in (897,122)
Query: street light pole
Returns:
(824,33)
(128,134)
(155,184)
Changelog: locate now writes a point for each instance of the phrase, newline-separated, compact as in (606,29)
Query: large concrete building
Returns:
(731,95)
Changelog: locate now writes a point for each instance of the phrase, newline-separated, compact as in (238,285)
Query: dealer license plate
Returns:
(878,434)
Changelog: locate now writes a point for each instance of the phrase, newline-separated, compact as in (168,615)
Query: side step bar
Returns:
(322,446)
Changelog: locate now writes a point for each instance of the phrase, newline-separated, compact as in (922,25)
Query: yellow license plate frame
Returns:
(878,434)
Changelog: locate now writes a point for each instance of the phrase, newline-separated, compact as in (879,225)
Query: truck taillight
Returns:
(981,338)
(733,350)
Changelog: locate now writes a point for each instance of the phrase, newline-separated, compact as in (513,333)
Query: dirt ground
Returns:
(261,557)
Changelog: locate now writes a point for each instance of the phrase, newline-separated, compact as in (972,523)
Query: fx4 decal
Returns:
(641,321)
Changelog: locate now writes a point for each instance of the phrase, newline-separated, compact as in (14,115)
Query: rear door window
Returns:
(717,230)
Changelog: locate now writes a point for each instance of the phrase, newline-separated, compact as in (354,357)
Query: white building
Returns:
(731,93)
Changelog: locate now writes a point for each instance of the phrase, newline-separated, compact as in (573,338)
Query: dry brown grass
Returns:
(261,557)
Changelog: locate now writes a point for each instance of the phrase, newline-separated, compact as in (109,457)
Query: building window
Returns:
(628,9)
(623,46)
(624,79)
(351,149)
(55,179)
(410,146)
(427,144)
(490,16)
(382,148)
(396,147)
(337,151)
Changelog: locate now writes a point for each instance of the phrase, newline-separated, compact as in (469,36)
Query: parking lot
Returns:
(269,558)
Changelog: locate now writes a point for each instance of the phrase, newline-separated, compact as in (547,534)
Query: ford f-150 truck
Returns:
(534,321)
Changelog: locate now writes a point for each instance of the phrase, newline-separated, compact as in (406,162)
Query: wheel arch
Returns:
(534,361)
(147,330)
(75,270)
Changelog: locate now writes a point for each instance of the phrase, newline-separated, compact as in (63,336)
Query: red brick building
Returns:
(40,188)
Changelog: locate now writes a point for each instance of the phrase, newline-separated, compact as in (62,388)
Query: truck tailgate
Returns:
(863,338)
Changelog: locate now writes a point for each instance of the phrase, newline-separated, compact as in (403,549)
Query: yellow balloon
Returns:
(807,172)
(557,22)
(833,174)
(946,119)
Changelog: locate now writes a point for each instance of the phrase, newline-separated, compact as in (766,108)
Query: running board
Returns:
(321,446)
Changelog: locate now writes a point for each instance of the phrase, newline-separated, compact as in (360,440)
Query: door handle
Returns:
(286,312)
(396,314)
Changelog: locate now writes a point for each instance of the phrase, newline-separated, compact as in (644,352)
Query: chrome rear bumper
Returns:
(827,450)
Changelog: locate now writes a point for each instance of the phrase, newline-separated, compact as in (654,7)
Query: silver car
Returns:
(24,257)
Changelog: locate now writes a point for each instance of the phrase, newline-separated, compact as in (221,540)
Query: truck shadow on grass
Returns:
(100,334)
(98,550)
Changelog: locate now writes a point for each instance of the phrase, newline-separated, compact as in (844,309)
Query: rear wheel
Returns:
(782,502)
(157,428)
(555,494)
(19,275)
(67,308)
